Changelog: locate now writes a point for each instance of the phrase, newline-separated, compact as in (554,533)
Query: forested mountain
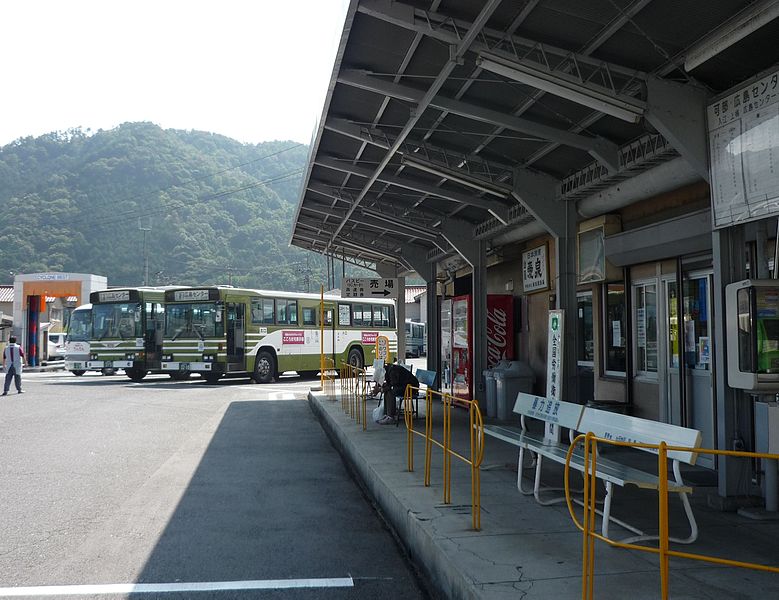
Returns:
(216,209)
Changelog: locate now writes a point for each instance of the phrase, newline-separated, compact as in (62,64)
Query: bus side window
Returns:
(309,316)
(292,311)
(344,315)
(286,312)
(357,315)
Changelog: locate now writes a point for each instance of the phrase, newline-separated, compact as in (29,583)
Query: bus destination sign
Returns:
(366,287)
(116,296)
(190,295)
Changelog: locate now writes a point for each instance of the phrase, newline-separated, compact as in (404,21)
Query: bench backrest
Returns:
(624,428)
(556,412)
(426,377)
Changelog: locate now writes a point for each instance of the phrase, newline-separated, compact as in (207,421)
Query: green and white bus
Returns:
(127,328)
(221,330)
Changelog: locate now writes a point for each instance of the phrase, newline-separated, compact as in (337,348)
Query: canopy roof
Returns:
(444,117)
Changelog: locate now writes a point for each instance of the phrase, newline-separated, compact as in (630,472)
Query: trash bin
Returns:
(491,387)
(514,378)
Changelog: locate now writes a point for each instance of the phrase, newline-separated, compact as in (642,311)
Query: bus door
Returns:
(235,333)
(155,325)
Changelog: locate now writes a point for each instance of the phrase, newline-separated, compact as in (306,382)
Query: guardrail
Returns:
(355,388)
(476,429)
(327,376)
(663,550)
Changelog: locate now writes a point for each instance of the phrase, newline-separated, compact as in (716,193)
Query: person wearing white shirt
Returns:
(13,360)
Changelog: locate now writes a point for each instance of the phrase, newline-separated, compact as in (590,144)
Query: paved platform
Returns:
(525,550)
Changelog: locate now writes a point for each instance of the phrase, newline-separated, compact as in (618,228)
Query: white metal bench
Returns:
(606,425)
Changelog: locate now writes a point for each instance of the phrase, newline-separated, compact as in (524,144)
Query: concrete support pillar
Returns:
(433,322)
(479,316)
(728,252)
(565,260)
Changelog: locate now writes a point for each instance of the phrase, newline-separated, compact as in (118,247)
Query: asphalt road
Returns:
(183,490)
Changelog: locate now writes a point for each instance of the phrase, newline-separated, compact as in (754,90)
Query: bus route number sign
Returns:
(366,287)
(382,348)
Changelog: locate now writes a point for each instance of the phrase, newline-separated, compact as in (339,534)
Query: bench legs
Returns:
(641,536)
(536,491)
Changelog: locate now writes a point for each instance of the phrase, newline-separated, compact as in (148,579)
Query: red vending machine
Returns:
(462,353)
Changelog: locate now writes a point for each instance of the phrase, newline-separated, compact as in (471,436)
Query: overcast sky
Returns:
(253,70)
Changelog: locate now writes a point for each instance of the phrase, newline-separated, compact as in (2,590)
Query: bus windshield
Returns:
(193,321)
(121,320)
(80,326)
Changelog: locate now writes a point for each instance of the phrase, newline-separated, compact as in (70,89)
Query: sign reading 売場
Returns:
(363,287)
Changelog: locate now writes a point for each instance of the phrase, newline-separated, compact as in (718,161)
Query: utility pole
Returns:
(145,253)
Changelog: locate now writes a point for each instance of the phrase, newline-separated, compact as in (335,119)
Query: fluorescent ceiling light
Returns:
(484,187)
(554,83)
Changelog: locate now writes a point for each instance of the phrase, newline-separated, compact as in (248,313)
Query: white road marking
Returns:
(157,588)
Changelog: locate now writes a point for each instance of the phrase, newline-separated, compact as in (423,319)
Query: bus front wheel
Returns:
(78,372)
(212,378)
(136,374)
(264,367)
(355,358)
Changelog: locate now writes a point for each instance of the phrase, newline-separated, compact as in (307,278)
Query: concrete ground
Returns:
(525,550)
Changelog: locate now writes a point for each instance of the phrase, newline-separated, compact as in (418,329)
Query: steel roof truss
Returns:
(600,148)
(498,209)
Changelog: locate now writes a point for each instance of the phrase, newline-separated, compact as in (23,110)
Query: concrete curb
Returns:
(418,542)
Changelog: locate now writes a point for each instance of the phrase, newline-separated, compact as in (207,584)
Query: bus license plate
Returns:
(108,364)
(183,366)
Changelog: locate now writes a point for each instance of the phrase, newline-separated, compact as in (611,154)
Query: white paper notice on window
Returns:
(616,334)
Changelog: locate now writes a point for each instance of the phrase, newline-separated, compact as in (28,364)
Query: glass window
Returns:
(585,353)
(286,312)
(646,327)
(309,316)
(344,315)
(119,321)
(361,315)
(262,311)
(193,321)
(745,353)
(329,316)
(381,316)
(615,326)
(592,256)
(673,325)
(697,343)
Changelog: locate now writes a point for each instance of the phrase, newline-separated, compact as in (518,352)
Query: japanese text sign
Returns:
(364,287)
(534,270)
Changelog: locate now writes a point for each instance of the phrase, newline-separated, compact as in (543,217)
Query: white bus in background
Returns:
(416,339)
(77,342)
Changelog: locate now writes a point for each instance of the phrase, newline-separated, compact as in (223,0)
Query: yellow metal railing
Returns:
(327,376)
(476,429)
(355,389)
(662,550)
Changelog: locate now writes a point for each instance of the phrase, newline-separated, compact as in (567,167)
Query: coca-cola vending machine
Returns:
(500,328)
(462,349)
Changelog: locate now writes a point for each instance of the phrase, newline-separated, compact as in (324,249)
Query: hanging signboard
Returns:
(365,287)
(744,148)
(554,366)
(535,277)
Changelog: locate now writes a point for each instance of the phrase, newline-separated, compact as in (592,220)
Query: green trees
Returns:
(217,209)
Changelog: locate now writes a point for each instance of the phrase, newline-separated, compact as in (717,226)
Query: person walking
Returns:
(13,359)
